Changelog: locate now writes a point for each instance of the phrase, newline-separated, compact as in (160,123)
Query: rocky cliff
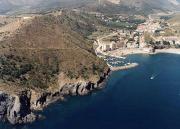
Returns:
(19,108)
(16,108)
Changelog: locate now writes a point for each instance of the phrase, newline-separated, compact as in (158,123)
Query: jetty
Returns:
(131,65)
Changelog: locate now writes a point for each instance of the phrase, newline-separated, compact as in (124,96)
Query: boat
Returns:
(122,57)
(152,77)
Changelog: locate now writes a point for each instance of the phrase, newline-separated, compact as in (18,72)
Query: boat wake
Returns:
(153,76)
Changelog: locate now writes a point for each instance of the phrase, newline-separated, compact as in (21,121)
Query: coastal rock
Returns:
(4,100)
(72,89)
(83,88)
(16,109)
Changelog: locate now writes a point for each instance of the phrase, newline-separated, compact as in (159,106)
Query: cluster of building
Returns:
(131,39)
(149,26)
(158,26)
(124,39)
(169,40)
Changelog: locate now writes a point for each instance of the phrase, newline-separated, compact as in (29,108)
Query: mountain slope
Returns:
(141,2)
(148,6)
(117,5)
(23,6)
(138,6)
(50,46)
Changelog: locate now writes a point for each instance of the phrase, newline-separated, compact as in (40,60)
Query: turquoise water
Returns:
(131,100)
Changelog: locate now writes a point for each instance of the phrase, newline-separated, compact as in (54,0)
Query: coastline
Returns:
(21,108)
(125,52)
(169,50)
(47,98)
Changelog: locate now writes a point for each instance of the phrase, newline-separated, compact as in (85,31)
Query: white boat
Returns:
(152,77)
(122,57)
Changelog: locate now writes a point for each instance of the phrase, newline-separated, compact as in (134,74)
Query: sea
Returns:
(144,97)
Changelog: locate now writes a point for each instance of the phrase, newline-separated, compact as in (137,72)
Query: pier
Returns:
(132,65)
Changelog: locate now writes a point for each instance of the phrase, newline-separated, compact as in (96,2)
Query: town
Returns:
(136,36)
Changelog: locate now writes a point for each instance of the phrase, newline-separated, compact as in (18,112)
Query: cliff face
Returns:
(18,109)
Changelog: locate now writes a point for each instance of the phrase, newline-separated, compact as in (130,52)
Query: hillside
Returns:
(175,22)
(175,19)
(154,4)
(143,7)
(108,6)
(49,46)
(34,6)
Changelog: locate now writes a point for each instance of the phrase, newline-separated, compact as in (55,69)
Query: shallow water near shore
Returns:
(132,99)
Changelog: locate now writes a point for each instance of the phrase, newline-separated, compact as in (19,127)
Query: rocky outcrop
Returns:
(69,89)
(82,88)
(4,101)
(16,108)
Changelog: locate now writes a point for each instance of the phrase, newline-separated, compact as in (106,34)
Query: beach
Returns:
(124,52)
(170,50)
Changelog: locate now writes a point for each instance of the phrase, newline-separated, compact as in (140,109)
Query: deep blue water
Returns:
(131,100)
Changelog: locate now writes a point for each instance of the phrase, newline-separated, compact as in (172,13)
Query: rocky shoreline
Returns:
(20,108)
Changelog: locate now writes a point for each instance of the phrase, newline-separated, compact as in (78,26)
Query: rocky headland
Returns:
(19,108)
(46,59)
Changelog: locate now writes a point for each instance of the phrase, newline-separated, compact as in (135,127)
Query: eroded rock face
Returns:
(77,89)
(83,88)
(16,109)
(72,89)
(4,101)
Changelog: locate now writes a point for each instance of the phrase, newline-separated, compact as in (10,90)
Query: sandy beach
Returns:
(170,50)
(125,52)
